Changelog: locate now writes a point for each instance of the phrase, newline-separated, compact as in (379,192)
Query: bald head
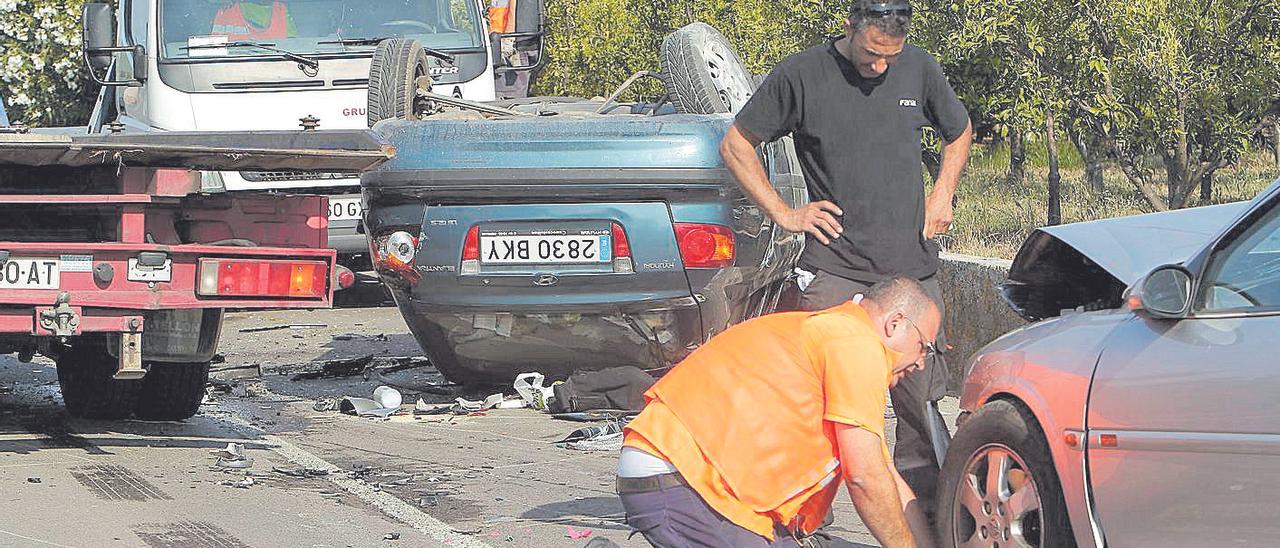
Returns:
(903,294)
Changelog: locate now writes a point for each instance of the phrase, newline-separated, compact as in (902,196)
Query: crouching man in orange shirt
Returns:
(741,444)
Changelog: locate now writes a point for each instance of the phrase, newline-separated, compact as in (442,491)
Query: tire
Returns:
(703,73)
(172,391)
(88,389)
(1001,431)
(393,80)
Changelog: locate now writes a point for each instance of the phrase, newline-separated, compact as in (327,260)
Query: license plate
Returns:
(545,248)
(341,209)
(30,274)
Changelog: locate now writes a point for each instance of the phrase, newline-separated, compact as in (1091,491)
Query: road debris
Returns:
(242,484)
(386,402)
(300,472)
(333,369)
(529,387)
(620,388)
(234,372)
(276,327)
(605,437)
(577,534)
(391,536)
(34,480)
(232,457)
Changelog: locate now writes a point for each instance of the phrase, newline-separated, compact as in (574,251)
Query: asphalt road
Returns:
(495,479)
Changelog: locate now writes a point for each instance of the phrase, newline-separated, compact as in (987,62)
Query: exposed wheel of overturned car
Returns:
(998,485)
(703,73)
(393,80)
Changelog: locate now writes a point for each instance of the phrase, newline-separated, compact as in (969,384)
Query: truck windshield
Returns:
(194,29)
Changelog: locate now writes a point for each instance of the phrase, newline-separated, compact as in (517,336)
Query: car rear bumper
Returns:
(556,341)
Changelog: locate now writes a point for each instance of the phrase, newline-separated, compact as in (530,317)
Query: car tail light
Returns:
(705,245)
(343,277)
(263,278)
(471,251)
(395,252)
(621,250)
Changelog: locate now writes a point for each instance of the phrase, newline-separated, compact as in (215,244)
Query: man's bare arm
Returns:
(938,212)
(817,218)
(915,514)
(873,486)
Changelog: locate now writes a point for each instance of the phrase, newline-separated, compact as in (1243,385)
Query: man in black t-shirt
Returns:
(856,107)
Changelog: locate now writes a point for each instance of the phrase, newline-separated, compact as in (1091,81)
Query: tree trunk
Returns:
(1133,172)
(1017,157)
(1055,178)
(1275,138)
(1085,142)
(1206,188)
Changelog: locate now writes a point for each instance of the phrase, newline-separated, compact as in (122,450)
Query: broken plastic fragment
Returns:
(577,534)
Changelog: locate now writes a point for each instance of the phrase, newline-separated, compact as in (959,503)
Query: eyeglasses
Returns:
(886,9)
(930,348)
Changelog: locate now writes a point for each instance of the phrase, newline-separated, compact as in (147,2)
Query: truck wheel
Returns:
(171,391)
(89,391)
(704,74)
(393,80)
(998,485)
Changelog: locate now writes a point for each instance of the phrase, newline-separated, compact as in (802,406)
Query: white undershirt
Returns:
(635,463)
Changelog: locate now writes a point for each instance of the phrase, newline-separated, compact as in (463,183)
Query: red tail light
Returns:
(705,245)
(263,278)
(471,247)
(621,247)
(471,251)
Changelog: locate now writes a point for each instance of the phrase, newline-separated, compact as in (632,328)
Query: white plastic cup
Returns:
(387,397)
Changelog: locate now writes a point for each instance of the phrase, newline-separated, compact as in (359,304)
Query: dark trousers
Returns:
(676,517)
(913,453)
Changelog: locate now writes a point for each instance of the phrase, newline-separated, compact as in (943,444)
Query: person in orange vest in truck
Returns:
(744,442)
(253,20)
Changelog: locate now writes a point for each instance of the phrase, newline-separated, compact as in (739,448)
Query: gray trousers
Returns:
(912,453)
(676,517)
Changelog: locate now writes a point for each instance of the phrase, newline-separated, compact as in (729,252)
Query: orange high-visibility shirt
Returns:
(748,418)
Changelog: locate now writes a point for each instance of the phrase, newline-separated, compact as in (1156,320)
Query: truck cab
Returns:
(224,65)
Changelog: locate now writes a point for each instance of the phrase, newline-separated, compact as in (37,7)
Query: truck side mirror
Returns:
(530,16)
(99,35)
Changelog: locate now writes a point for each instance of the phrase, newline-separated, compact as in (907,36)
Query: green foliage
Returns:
(594,45)
(42,76)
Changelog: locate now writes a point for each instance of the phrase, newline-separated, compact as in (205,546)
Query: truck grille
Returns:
(274,176)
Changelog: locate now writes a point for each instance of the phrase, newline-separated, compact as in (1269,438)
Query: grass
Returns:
(992,219)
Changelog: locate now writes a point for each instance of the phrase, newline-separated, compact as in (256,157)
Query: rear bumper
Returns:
(117,303)
(556,340)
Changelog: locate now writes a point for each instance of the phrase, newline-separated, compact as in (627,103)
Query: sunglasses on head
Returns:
(886,9)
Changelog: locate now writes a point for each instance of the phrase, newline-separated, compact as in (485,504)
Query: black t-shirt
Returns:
(858,140)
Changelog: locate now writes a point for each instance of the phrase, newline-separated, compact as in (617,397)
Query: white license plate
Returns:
(341,209)
(30,274)
(560,248)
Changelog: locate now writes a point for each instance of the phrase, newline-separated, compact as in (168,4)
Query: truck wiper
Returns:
(300,59)
(373,41)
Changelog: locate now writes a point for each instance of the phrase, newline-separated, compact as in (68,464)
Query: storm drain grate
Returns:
(186,534)
(115,482)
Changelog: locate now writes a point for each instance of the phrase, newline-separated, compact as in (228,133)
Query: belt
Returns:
(659,482)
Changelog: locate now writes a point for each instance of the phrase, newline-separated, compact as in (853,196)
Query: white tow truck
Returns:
(224,65)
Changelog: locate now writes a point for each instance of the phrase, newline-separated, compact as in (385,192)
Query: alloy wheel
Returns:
(997,502)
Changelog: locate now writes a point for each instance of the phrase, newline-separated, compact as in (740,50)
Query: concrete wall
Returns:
(976,315)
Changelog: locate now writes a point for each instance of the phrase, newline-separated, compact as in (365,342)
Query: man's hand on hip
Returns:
(938,214)
(816,218)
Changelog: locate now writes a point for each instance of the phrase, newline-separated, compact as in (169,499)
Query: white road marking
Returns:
(44,542)
(386,502)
